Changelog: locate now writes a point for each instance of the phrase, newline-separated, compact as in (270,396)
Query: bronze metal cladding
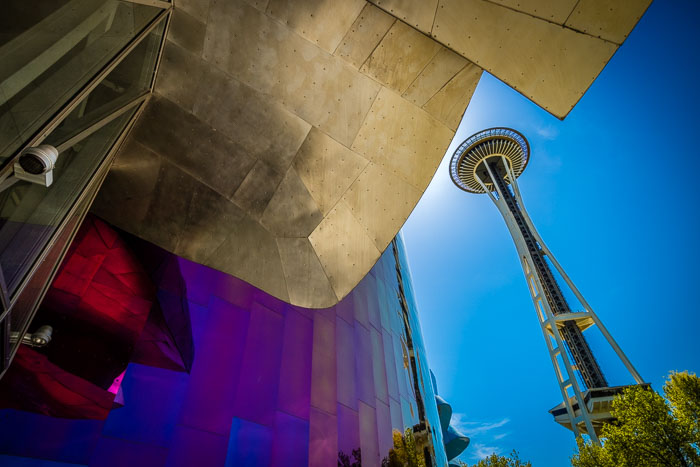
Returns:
(287,146)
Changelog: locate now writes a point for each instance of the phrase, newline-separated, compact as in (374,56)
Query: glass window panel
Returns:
(131,78)
(50,50)
(30,213)
(28,300)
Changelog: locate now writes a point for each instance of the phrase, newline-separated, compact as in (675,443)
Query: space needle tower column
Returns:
(490,162)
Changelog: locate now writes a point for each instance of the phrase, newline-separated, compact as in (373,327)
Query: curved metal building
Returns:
(187,365)
(238,294)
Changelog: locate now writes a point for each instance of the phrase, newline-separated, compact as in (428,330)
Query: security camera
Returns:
(39,338)
(36,164)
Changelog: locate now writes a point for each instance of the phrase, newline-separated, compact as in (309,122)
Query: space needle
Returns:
(490,162)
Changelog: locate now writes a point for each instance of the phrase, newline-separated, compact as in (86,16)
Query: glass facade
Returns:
(73,74)
(205,369)
(50,51)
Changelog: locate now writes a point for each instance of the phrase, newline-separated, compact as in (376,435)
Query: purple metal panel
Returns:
(266,300)
(348,430)
(396,417)
(270,384)
(345,308)
(27,434)
(249,445)
(196,447)
(369,441)
(359,297)
(294,396)
(363,365)
(323,372)
(378,368)
(384,432)
(149,391)
(345,353)
(12,461)
(234,290)
(372,303)
(390,361)
(323,439)
(112,452)
(199,281)
(384,309)
(220,337)
(290,442)
(256,395)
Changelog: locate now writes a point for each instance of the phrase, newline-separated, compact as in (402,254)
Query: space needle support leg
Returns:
(621,355)
(547,322)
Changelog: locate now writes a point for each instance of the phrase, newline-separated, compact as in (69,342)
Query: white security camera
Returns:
(36,164)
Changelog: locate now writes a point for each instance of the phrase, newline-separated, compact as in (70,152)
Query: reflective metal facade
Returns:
(268,383)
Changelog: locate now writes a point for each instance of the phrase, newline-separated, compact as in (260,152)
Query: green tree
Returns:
(650,430)
(405,452)
(494,460)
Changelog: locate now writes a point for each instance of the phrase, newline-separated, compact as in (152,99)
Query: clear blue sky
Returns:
(613,189)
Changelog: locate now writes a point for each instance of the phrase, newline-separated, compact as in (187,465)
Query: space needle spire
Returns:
(490,162)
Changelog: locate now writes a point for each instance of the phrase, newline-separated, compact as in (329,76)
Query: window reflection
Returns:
(50,50)
(30,213)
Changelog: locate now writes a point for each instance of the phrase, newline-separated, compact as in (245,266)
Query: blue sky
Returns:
(613,191)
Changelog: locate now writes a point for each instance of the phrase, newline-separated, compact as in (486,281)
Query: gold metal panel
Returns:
(556,11)
(264,54)
(609,19)
(263,127)
(441,69)
(364,35)
(448,104)
(327,168)
(381,202)
(400,57)
(417,13)
(250,253)
(323,22)
(126,193)
(306,280)
(207,224)
(179,75)
(549,64)
(259,4)
(199,9)
(196,148)
(403,138)
(345,250)
(164,220)
(186,31)
(291,212)
(257,189)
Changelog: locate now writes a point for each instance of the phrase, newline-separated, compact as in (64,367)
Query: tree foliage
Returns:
(650,430)
(405,452)
(494,460)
